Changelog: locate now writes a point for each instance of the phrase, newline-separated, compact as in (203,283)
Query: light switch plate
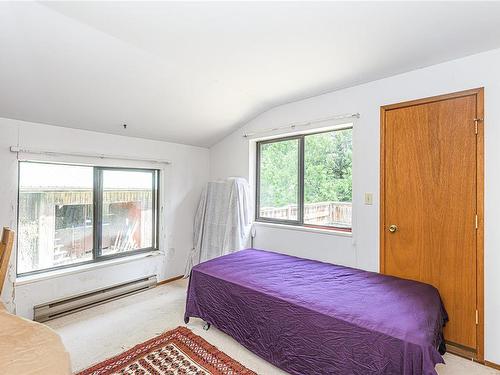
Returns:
(369,198)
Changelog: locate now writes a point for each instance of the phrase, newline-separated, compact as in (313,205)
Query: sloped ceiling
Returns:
(193,72)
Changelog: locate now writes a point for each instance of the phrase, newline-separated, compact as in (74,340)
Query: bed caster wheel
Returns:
(206,327)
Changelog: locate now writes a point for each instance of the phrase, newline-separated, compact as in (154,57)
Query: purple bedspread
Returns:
(309,317)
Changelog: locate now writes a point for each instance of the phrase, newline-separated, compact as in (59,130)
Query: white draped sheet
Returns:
(222,222)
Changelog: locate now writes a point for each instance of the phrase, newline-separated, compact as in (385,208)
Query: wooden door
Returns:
(431,204)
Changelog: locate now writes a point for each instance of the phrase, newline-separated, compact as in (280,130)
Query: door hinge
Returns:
(477,317)
(477,222)
(476,121)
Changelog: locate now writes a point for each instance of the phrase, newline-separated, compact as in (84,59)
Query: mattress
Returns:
(309,317)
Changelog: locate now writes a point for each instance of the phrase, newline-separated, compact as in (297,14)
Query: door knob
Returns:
(393,228)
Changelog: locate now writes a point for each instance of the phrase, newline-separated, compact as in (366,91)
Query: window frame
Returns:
(300,177)
(97,196)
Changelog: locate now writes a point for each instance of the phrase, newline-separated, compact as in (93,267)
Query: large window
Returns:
(71,214)
(306,180)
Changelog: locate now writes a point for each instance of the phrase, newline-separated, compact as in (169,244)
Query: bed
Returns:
(309,317)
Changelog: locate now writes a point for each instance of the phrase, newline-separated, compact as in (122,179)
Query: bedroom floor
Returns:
(103,331)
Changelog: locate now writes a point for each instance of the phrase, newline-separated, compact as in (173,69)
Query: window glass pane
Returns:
(328,179)
(127,211)
(55,215)
(279,171)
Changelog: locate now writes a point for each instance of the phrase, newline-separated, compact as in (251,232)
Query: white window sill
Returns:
(330,232)
(23,280)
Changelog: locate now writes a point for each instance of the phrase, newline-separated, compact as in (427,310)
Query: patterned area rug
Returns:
(179,351)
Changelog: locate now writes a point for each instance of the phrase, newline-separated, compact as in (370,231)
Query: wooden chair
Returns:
(6,245)
(38,349)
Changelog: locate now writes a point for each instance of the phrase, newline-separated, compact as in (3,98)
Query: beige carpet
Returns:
(93,335)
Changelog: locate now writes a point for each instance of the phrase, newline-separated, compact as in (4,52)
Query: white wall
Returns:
(230,157)
(181,186)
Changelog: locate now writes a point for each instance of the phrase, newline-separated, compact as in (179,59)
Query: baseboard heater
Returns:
(65,306)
